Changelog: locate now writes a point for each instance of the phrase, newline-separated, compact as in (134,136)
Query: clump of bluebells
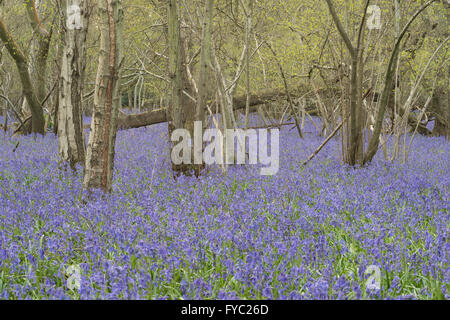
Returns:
(306,233)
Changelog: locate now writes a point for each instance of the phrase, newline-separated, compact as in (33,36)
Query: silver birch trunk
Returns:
(71,145)
(102,139)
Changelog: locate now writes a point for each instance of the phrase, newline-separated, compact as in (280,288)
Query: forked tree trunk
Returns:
(102,139)
(353,148)
(71,146)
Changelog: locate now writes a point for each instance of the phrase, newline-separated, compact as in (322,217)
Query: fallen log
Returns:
(414,123)
(421,128)
(132,121)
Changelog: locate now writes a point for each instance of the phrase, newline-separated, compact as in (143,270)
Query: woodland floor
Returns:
(306,233)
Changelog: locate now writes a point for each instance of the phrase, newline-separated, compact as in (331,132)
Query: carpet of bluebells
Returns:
(306,233)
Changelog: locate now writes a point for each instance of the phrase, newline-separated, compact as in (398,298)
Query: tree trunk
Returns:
(28,90)
(353,150)
(174,110)
(204,88)
(248,31)
(38,65)
(374,141)
(71,145)
(102,139)
(441,113)
(39,50)
(5,117)
(181,109)
(205,62)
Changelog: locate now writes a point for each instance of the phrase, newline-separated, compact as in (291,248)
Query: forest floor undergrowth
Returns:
(317,232)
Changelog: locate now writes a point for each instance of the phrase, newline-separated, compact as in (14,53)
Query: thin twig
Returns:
(325,142)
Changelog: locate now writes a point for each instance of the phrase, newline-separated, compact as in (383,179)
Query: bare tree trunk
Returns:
(101,147)
(390,74)
(204,88)
(248,30)
(28,90)
(205,62)
(40,54)
(71,145)
(441,98)
(5,116)
(181,111)
(174,111)
(39,50)
(57,71)
(354,152)
(441,113)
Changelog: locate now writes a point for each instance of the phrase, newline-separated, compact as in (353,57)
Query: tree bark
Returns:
(354,152)
(71,145)
(5,117)
(101,147)
(205,62)
(28,90)
(441,113)
(38,54)
(38,63)
(181,111)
